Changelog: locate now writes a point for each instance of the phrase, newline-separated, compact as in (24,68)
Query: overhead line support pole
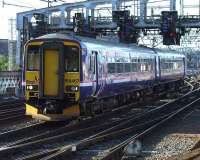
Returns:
(172,5)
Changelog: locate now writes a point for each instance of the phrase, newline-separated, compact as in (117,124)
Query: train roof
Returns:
(95,43)
(57,36)
(85,41)
(168,52)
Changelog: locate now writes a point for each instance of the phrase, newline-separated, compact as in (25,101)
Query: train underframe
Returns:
(59,110)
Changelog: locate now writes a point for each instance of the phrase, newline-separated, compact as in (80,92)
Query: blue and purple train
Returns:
(69,76)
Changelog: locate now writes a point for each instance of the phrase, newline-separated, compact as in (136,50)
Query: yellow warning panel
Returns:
(30,110)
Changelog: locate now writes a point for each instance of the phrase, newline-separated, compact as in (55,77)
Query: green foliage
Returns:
(3,63)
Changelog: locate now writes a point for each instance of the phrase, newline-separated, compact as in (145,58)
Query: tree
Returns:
(3,63)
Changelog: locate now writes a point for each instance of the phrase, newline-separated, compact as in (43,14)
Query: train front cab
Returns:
(52,80)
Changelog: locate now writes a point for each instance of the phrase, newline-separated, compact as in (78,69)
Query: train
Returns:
(69,76)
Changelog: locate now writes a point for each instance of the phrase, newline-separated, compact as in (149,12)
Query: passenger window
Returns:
(134,67)
(71,55)
(93,61)
(120,67)
(127,67)
(90,63)
(111,67)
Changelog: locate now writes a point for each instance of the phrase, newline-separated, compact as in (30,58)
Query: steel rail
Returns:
(42,139)
(87,142)
(85,123)
(115,151)
(42,154)
(11,105)
(11,110)
(60,134)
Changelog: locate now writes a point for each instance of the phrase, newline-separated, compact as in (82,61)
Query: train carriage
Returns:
(118,68)
(172,66)
(66,76)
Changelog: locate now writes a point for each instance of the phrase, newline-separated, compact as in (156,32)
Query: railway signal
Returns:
(171,36)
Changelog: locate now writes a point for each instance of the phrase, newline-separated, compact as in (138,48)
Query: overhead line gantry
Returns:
(169,24)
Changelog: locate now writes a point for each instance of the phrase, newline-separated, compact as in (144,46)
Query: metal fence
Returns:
(10,83)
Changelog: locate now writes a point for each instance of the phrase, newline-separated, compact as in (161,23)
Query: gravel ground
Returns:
(176,137)
(167,147)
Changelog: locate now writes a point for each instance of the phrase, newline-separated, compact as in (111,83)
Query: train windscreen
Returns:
(33,58)
(71,55)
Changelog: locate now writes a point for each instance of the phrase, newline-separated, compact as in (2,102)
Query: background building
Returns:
(4,46)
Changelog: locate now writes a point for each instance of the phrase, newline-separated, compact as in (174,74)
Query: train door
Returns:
(51,67)
(184,66)
(157,68)
(52,74)
(95,72)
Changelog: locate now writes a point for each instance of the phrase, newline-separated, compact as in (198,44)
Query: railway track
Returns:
(11,110)
(115,123)
(17,136)
(111,142)
(11,103)
(67,132)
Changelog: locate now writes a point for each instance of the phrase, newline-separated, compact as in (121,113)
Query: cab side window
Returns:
(33,58)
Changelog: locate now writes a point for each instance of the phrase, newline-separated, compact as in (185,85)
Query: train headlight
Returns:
(72,88)
(29,87)
(32,87)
